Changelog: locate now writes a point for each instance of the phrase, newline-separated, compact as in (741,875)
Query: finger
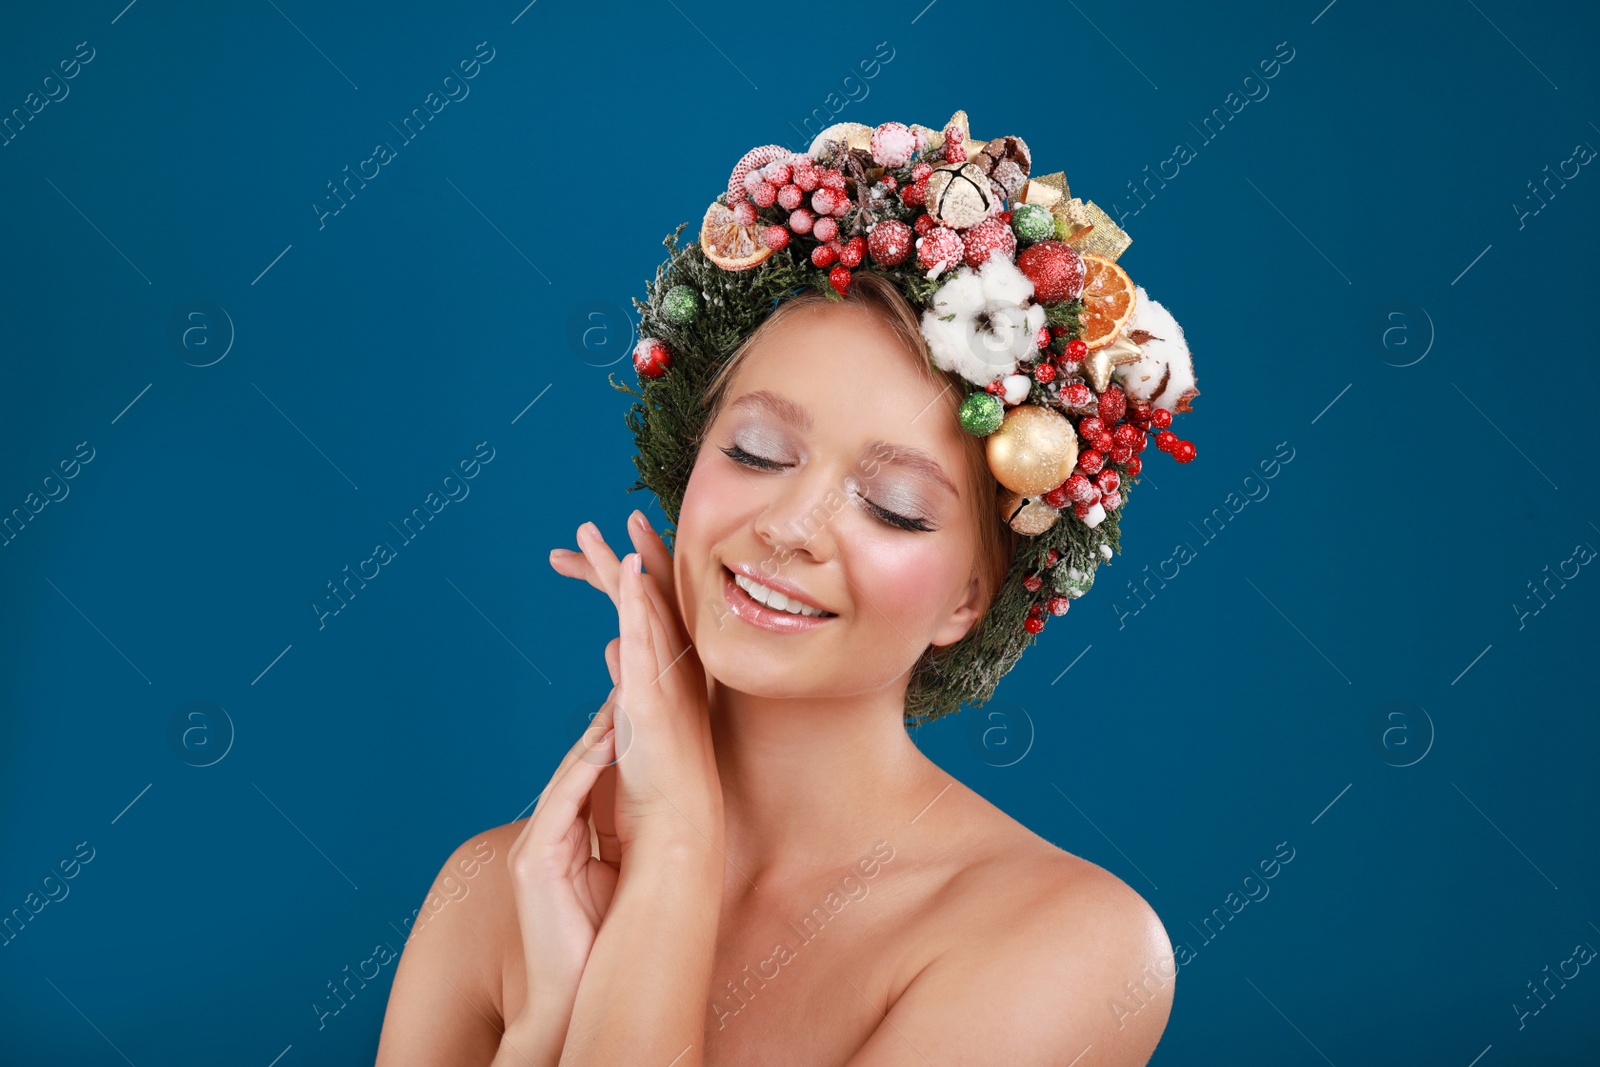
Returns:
(560,806)
(614,661)
(572,564)
(639,654)
(603,561)
(603,811)
(592,730)
(657,557)
(664,642)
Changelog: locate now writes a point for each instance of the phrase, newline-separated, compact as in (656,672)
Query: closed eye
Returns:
(884,515)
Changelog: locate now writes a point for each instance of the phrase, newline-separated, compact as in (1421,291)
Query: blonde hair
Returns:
(997,542)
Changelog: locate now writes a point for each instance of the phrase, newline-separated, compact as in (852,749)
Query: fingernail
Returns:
(637,518)
(636,563)
(591,528)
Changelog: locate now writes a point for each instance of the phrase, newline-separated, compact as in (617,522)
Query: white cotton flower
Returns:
(1164,374)
(983,321)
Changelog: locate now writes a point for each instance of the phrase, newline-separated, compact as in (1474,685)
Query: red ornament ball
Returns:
(1033,624)
(941,248)
(989,237)
(890,242)
(1056,271)
(651,357)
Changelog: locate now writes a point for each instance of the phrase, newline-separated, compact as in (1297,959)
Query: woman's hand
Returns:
(666,774)
(561,890)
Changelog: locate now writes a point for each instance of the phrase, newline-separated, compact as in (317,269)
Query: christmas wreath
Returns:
(1067,366)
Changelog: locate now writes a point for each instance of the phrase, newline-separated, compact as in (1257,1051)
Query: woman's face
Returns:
(835,474)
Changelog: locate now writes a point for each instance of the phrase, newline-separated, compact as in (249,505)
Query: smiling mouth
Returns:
(774,600)
(767,609)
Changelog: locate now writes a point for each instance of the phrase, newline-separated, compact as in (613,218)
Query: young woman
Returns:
(746,859)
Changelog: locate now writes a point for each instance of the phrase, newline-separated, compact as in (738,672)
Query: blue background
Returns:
(1346,257)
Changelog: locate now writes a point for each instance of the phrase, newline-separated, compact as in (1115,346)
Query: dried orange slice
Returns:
(729,244)
(1108,298)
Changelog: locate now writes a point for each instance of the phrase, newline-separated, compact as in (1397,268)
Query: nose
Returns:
(801,513)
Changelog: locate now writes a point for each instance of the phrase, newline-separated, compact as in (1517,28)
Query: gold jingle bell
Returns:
(1033,451)
(1028,515)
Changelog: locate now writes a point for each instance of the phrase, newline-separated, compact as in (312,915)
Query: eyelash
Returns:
(889,518)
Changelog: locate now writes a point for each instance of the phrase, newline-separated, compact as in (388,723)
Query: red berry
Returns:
(1057,498)
(1044,372)
(1005,217)
(1089,427)
(801,220)
(1139,413)
(823,256)
(854,249)
(765,194)
(1077,486)
(832,178)
(1165,440)
(1108,481)
(1121,454)
(790,197)
(915,194)
(1161,418)
(890,182)
(1127,434)
(1032,583)
(1105,442)
(1111,501)
(1133,466)
(825,228)
(923,223)
(1077,395)
(839,278)
(775,237)
(1059,605)
(778,173)
(1113,403)
(1035,609)
(744,213)
(807,179)
(1183,451)
(824,200)
(1090,461)
(994,387)
(1050,557)
(1033,624)
(1139,441)
(920,172)
(1077,348)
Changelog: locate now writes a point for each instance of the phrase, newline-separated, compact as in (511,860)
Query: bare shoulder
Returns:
(1046,956)
(447,998)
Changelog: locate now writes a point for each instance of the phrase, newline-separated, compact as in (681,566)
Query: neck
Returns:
(809,783)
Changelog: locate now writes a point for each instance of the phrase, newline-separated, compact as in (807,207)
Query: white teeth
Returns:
(772,598)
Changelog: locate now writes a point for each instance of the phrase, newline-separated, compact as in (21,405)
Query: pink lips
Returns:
(759,615)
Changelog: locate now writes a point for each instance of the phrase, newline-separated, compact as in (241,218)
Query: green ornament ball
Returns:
(981,414)
(1072,582)
(1032,223)
(681,305)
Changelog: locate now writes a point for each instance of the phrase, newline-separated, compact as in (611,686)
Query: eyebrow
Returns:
(786,410)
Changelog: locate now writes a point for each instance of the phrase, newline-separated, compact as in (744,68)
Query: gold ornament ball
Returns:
(1033,451)
(1028,515)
